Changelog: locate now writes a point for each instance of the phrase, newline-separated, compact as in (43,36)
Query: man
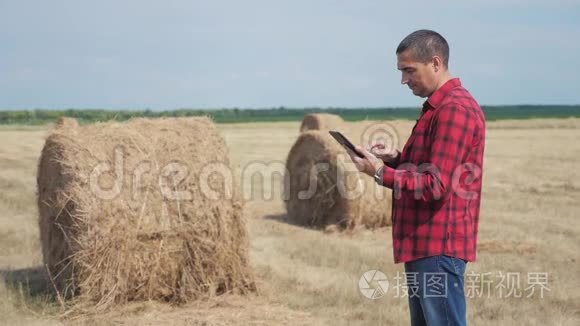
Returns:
(436,181)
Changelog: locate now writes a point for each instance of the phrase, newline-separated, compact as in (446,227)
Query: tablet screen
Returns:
(344,142)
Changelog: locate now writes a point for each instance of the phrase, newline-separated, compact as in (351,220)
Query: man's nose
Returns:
(404,79)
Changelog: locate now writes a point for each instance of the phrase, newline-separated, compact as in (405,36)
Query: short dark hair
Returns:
(425,44)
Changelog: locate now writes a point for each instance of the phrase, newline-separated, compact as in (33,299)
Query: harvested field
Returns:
(529,224)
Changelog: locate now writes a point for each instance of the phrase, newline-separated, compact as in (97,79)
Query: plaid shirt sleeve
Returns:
(451,134)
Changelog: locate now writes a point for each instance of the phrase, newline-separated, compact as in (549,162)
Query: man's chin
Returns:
(418,93)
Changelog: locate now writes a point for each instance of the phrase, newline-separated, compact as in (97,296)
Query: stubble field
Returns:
(529,240)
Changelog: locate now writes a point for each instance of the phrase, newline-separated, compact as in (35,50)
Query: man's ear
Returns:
(437,63)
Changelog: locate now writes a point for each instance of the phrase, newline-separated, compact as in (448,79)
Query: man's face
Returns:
(419,76)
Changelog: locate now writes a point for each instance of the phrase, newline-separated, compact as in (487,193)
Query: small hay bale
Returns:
(324,188)
(65,122)
(124,215)
(321,121)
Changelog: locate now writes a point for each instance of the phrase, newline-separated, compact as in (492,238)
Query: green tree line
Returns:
(232,115)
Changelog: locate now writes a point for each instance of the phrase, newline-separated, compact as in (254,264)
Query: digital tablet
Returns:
(344,142)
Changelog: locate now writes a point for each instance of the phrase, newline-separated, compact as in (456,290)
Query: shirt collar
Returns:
(435,99)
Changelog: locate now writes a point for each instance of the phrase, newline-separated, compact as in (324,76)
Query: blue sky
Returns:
(210,54)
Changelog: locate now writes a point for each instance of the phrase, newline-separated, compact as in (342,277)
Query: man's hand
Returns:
(387,155)
(367,165)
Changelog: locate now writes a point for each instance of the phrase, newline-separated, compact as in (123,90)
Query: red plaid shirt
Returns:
(437,181)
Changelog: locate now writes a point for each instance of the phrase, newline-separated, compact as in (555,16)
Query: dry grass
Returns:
(529,223)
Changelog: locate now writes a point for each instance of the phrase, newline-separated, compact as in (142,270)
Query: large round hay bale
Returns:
(132,211)
(323,188)
(321,121)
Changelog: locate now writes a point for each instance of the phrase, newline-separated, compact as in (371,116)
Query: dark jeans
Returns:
(436,294)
